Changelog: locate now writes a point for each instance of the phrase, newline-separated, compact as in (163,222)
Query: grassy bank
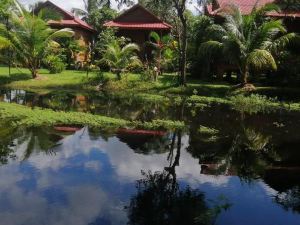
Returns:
(164,91)
(21,79)
(22,115)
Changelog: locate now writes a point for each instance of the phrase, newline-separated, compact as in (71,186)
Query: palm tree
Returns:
(249,42)
(7,9)
(90,5)
(29,37)
(162,49)
(119,58)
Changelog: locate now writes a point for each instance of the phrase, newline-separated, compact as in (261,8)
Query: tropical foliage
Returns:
(120,57)
(163,50)
(249,42)
(29,37)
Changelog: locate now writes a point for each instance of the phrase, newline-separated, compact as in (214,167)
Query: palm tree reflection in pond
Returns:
(35,140)
(6,141)
(39,140)
(290,199)
(161,200)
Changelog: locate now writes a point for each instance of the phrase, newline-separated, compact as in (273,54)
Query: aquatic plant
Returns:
(207,130)
(22,115)
(254,103)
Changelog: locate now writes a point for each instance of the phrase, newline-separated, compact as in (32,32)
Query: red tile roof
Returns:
(70,19)
(246,7)
(136,25)
(154,23)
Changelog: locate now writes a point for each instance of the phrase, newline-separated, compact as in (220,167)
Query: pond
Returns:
(226,168)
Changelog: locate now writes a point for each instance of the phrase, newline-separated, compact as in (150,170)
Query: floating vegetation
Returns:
(253,104)
(196,99)
(22,115)
(207,130)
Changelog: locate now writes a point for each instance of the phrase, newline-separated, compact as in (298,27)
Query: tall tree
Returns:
(7,9)
(180,7)
(91,5)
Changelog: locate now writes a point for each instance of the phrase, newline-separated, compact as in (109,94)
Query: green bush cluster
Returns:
(22,115)
(54,64)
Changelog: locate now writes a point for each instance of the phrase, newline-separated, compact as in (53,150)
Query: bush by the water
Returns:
(54,64)
(254,103)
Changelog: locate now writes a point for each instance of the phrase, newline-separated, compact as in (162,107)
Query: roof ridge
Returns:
(133,8)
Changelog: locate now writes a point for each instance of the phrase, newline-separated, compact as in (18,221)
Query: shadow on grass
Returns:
(14,77)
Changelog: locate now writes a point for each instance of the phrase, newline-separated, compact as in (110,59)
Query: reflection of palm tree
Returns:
(161,201)
(247,154)
(290,199)
(38,140)
(6,150)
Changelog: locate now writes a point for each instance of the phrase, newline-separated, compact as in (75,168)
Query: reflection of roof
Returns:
(145,20)
(143,26)
(246,6)
(69,21)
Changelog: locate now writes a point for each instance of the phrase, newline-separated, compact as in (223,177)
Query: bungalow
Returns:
(84,33)
(291,17)
(136,24)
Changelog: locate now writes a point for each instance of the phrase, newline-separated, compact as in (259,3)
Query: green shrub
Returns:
(54,64)
(254,103)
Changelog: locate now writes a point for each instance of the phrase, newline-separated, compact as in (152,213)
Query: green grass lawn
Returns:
(130,84)
(21,79)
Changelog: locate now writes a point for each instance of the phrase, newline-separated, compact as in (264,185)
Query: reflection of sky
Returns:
(89,181)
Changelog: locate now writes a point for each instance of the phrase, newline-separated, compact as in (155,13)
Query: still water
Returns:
(246,173)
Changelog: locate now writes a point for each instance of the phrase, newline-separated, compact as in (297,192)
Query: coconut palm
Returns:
(90,5)
(29,37)
(119,58)
(162,50)
(249,42)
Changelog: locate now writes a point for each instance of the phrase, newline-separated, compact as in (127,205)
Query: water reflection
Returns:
(118,106)
(90,176)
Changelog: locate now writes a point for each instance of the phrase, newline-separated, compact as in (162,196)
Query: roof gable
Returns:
(50,5)
(137,13)
(246,6)
(68,19)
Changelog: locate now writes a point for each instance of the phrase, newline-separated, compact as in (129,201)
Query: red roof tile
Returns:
(142,26)
(138,20)
(70,20)
(246,7)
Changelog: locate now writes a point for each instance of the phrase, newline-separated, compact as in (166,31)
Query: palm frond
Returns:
(130,48)
(4,43)
(79,12)
(261,59)
(280,43)
(210,48)
(66,32)
(155,36)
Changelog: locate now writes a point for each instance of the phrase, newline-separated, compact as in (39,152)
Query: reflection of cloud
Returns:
(51,188)
(85,204)
(93,165)
(128,165)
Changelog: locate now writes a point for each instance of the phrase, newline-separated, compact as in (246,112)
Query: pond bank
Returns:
(23,115)
(165,91)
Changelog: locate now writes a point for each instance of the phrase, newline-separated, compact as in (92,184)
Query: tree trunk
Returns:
(245,75)
(119,75)
(34,73)
(183,50)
